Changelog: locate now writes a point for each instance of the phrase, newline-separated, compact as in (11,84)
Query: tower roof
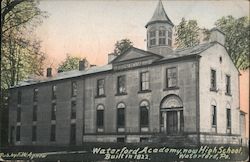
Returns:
(159,15)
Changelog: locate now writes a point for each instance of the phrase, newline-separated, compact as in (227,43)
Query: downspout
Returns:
(198,99)
(83,107)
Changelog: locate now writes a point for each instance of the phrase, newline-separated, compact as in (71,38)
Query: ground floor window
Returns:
(73,134)
(53,133)
(100,118)
(18,132)
(121,117)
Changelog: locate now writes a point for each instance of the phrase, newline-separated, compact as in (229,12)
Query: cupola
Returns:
(159,32)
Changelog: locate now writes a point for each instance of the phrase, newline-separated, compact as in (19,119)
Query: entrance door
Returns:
(172,122)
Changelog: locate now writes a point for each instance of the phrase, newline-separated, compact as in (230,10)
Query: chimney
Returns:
(49,72)
(111,57)
(216,35)
(82,65)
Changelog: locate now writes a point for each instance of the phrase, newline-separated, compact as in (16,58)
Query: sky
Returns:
(90,28)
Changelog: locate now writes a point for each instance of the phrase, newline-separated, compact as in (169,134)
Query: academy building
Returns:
(187,95)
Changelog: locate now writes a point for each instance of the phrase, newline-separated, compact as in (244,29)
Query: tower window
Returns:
(162,37)
(152,38)
(170,38)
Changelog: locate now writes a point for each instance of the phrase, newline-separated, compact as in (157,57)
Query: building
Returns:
(188,95)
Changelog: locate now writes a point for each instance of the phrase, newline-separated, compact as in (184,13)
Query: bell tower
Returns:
(159,32)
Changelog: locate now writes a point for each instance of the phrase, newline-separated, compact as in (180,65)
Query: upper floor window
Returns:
(100,118)
(121,84)
(170,38)
(171,77)
(121,117)
(162,37)
(19,114)
(144,115)
(214,116)
(73,109)
(54,91)
(34,112)
(53,111)
(213,79)
(100,87)
(152,38)
(19,96)
(228,118)
(144,80)
(53,132)
(73,88)
(35,94)
(228,84)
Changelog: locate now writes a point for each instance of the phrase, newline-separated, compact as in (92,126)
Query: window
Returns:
(18,133)
(34,112)
(121,117)
(19,97)
(53,133)
(121,85)
(144,117)
(54,92)
(73,88)
(214,120)
(228,118)
(73,134)
(100,118)
(35,94)
(18,114)
(170,38)
(100,87)
(53,111)
(120,139)
(171,77)
(73,109)
(144,81)
(33,133)
(213,79)
(228,84)
(162,37)
(152,38)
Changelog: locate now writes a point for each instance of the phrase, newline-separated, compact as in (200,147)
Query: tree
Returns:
(187,33)
(70,63)
(237,33)
(21,53)
(122,45)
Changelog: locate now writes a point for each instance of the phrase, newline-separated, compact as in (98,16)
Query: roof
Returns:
(66,75)
(159,15)
(180,52)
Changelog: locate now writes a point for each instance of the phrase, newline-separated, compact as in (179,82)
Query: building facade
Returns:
(184,96)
